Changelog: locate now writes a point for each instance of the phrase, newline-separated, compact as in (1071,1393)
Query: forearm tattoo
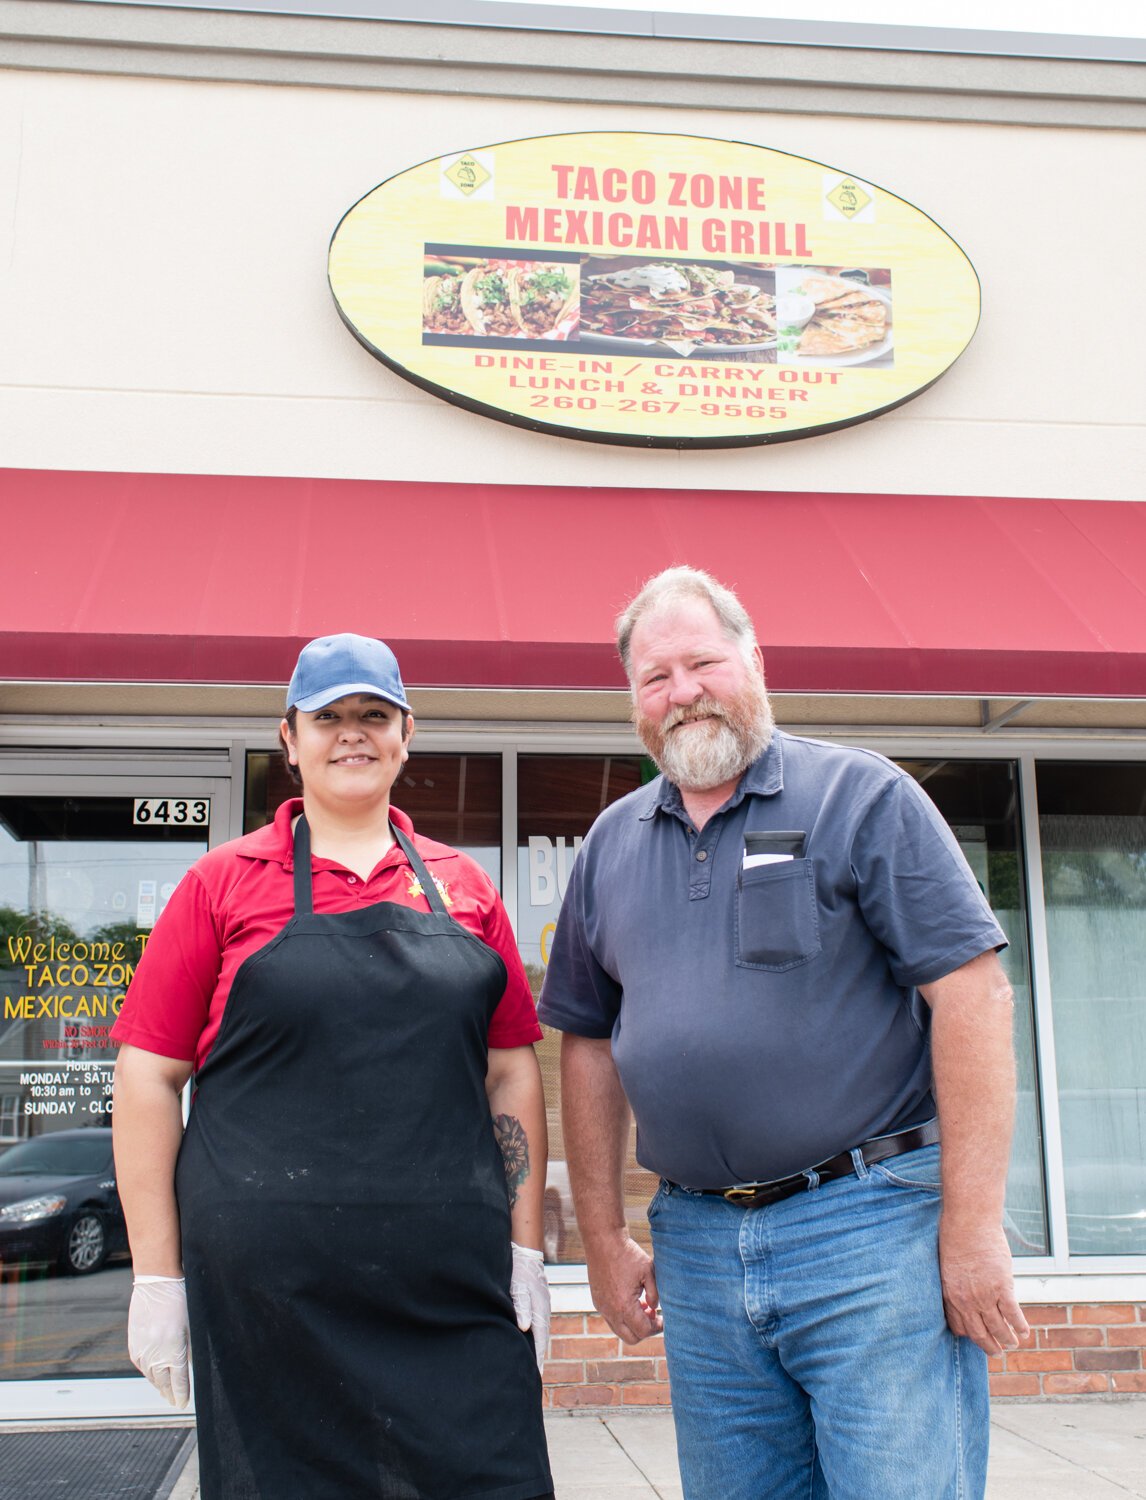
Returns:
(514,1146)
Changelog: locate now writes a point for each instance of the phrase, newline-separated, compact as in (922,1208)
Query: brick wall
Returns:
(589,1366)
(1080,1349)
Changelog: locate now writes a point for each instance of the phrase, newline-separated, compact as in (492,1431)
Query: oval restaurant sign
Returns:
(657,290)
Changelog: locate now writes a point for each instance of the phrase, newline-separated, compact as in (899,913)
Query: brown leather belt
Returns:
(756,1194)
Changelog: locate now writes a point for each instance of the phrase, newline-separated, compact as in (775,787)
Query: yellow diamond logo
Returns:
(467,175)
(848,198)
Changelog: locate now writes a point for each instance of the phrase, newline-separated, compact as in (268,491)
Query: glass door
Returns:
(87,864)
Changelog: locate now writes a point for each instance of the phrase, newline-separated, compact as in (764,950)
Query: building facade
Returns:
(202,469)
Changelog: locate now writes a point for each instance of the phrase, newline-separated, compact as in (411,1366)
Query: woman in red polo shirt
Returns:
(352,1217)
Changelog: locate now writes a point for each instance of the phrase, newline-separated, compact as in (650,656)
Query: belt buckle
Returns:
(755,1196)
(741,1194)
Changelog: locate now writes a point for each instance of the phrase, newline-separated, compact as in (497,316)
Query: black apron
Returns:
(345,1220)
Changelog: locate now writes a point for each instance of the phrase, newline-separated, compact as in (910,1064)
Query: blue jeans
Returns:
(808,1354)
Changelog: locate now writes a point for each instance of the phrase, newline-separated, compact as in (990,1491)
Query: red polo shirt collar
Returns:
(275,841)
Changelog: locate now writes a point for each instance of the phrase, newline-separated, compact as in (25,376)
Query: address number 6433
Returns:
(195,812)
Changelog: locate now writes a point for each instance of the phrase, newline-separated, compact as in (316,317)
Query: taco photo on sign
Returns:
(442,310)
(546,299)
(486,302)
(467,296)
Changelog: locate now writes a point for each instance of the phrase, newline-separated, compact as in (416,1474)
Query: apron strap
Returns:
(303,892)
(429,888)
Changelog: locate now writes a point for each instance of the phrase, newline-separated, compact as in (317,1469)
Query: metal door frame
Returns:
(124,774)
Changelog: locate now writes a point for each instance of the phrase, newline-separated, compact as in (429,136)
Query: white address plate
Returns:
(191,812)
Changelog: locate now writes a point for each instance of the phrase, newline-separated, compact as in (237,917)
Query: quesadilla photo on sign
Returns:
(851,315)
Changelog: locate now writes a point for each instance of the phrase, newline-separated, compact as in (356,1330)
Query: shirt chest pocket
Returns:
(777,925)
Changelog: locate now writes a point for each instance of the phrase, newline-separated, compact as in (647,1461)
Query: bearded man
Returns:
(776,954)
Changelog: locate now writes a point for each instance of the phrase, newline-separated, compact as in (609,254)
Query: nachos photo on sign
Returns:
(834,315)
(633,304)
(466,296)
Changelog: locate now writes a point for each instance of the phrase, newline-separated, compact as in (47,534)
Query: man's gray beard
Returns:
(711,754)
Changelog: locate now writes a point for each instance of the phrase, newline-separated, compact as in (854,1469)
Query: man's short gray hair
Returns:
(675,584)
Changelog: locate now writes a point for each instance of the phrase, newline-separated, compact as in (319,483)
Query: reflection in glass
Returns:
(81,885)
(980,801)
(1092,823)
(455,799)
(58,1202)
(558,797)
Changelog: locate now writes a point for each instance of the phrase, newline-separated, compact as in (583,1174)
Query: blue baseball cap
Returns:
(336,665)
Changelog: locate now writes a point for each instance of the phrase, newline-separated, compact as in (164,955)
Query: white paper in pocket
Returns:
(752,860)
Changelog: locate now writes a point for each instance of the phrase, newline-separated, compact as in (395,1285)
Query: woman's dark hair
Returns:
(291,770)
(291,717)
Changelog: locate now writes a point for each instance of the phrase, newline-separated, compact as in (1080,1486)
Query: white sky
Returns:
(1069,17)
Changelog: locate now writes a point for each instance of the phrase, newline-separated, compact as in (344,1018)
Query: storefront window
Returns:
(82,880)
(1092,825)
(558,797)
(980,801)
(453,798)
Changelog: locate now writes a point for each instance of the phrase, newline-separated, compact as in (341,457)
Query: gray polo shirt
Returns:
(764,1019)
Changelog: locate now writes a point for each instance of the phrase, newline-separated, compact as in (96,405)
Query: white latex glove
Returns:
(530,1292)
(157,1337)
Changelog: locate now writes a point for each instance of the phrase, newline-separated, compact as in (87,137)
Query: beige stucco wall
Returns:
(165,308)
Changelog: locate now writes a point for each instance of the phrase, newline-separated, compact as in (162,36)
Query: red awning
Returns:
(184,578)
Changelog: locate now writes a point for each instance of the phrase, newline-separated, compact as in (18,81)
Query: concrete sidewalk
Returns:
(1045,1451)
(1048,1450)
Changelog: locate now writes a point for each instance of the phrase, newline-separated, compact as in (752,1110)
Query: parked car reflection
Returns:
(58,1202)
(1105,1208)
